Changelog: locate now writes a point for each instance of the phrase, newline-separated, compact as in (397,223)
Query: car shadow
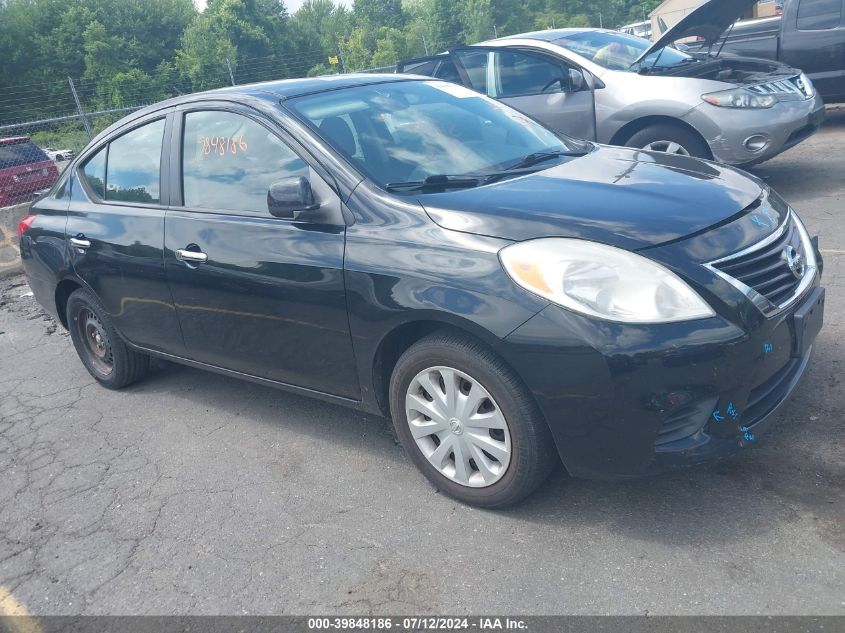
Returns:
(791,474)
(235,401)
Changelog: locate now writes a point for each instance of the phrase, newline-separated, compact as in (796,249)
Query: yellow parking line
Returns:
(18,618)
(832,251)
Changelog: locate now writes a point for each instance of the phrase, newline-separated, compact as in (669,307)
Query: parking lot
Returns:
(195,493)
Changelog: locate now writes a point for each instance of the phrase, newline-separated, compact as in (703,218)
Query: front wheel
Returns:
(469,423)
(670,139)
(106,357)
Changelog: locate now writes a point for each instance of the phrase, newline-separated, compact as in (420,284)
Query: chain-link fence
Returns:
(43,126)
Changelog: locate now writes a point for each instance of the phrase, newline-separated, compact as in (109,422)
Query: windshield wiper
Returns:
(541,157)
(442,182)
(437,182)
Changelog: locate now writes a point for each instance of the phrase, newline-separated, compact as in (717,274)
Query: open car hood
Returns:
(708,21)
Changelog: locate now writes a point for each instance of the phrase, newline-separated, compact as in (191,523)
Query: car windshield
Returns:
(20,153)
(619,51)
(402,132)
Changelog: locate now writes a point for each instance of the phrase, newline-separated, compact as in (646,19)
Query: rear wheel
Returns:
(670,139)
(106,357)
(468,422)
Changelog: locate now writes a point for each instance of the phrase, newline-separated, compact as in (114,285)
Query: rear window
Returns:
(20,154)
(819,15)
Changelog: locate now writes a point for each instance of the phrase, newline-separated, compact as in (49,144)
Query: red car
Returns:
(24,170)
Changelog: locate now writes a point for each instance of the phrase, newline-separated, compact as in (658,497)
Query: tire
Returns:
(524,450)
(100,348)
(690,143)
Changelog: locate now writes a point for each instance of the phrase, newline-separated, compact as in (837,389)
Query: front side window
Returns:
(519,75)
(818,15)
(134,165)
(411,130)
(229,162)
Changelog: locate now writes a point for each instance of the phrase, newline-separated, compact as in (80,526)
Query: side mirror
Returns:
(577,81)
(290,197)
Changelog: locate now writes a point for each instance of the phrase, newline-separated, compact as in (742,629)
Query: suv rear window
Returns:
(23,153)
(819,15)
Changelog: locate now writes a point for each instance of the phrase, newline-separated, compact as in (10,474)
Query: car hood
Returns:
(708,21)
(628,198)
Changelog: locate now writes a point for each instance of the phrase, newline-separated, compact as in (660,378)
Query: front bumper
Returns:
(726,130)
(628,400)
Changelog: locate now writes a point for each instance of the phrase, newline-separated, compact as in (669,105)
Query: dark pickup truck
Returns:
(810,35)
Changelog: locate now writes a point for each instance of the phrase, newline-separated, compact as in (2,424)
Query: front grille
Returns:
(792,87)
(766,269)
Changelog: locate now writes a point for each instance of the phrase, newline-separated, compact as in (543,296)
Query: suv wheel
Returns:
(670,139)
(469,423)
(106,357)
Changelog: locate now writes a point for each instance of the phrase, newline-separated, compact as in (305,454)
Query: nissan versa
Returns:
(624,90)
(510,297)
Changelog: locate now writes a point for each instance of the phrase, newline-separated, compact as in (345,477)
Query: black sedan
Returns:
(511,298)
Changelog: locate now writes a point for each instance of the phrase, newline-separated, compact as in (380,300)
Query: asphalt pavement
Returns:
(192,493)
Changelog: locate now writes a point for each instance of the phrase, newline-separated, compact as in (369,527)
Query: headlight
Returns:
(806,85)
(739,98)
(602,281)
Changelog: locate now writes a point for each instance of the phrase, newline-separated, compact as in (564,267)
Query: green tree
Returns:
(448,23)
(356,52)
(390,47)
(372,14)
(318,26)
(478,20)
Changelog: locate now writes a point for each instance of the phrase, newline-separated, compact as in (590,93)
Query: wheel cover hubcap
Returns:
(458,427)
(668,147)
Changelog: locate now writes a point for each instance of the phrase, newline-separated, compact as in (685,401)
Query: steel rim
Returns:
(668,147)
(96,342)
(458,427)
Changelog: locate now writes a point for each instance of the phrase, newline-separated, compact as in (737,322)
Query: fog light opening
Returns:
(756,143)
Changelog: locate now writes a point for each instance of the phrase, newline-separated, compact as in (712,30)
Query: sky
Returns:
(292,5)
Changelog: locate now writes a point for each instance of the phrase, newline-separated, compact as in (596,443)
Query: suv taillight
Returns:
(23,225)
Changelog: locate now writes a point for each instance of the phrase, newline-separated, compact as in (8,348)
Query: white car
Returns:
(58,155)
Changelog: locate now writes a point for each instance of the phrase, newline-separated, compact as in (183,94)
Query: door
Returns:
(542,86)
(115,232)
(814,40)
(255,293)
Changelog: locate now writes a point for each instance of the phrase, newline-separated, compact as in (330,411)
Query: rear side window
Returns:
(447,71)
(422,67)
(475,63)
(817,15)
(229,162)
(129,168)
(20,153)
(134,165)
(94,172)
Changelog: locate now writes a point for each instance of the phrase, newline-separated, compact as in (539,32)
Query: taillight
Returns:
(23,225)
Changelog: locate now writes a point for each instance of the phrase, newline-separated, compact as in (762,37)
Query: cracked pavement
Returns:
(192,493)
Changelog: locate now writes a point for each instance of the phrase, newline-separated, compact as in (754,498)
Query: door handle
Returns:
(191,257)
(80,242)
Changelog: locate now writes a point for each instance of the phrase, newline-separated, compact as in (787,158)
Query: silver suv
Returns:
(620,89)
